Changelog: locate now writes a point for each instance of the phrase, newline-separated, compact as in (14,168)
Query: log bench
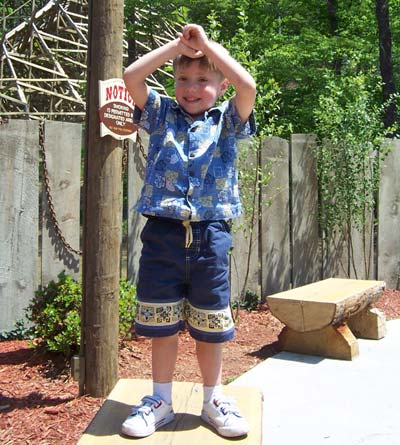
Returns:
(324,318)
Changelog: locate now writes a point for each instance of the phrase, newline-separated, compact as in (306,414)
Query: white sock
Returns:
(211,392)
(163,390)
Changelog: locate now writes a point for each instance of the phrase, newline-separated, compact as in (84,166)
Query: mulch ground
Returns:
(39,401)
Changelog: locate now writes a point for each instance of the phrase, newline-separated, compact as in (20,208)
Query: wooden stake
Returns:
(103,197)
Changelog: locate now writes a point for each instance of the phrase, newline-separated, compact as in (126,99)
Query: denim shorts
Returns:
(180,284)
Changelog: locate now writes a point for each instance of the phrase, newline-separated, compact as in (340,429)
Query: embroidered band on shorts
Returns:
(205,320)
(159,314)
(202,323)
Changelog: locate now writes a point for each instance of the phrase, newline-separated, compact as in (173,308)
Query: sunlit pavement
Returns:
(311,400)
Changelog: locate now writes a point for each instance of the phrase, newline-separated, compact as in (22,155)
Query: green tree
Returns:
(350,151)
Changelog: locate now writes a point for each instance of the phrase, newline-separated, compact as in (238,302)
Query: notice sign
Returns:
(116,110)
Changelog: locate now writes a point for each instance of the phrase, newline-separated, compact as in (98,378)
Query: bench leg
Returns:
(333,342)
(369,323)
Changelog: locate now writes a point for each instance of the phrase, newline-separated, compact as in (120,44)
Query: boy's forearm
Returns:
(150,62)
(237,75)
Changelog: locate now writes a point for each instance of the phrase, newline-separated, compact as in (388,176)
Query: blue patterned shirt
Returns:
(191,170)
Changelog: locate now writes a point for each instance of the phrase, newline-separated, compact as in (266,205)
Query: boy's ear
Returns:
(224,86)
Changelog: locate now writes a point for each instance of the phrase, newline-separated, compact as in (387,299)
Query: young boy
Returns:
(190,191)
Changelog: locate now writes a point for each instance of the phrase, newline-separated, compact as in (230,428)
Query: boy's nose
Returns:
(190,86)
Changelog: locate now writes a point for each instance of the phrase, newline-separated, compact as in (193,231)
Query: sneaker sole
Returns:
(127,431)
(224,431)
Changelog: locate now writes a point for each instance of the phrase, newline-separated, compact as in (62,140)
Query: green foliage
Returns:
(350,151)
(127,308)
(20,332)
(55,313)
(250,301)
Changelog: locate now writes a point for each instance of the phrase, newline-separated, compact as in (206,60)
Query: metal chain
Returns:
(125,149)
(46,180)
(140,142)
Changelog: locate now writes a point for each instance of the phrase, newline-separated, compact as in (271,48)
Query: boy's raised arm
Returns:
(244,84)
(136,74)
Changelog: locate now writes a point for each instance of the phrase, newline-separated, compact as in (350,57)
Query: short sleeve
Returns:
(152,112)
(242,130)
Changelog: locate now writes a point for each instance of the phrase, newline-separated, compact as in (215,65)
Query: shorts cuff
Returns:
(212,337)
(159,331)
(210,325)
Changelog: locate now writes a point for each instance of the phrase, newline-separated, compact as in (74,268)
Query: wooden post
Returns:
(102,220)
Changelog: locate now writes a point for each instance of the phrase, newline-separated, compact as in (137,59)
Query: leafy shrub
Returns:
(20,332)
(56,308)
(127,308)
(249,301)
(55,313)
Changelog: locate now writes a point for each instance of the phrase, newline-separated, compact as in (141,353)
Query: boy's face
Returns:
(197,89)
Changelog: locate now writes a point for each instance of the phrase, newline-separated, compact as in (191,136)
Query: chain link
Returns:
(125,149)
(50,205)
(140,142)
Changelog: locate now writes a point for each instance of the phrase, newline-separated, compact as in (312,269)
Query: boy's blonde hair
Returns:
(182,61)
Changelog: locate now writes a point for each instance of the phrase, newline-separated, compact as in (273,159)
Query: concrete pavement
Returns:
(311,400)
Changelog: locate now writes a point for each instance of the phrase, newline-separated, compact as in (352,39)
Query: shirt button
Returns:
(191,155)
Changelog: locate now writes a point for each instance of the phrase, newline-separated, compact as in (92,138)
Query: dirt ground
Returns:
(39,401)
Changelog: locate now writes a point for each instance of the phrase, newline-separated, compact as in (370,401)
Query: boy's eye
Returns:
(203,79)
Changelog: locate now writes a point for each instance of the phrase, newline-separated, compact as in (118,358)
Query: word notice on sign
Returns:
(116,110)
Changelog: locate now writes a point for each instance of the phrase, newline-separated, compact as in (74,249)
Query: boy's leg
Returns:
(164,354)
(156,410)
(218,411)
(210,321)
(159,315)
(209,356)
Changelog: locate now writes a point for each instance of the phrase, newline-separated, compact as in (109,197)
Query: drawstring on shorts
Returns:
(189,233)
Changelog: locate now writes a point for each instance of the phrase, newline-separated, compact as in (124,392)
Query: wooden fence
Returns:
(283,250)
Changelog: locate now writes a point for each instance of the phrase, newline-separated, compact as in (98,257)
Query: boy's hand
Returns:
(194,37)
(186,50)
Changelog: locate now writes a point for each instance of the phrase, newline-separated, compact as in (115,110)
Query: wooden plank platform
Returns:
(187,428)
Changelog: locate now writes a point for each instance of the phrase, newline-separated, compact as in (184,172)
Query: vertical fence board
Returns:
(334,258)
(137,167)
(337,254)
(244,263)
(18,219)
(389,220)
(275,224)
(307,265)
(63,143)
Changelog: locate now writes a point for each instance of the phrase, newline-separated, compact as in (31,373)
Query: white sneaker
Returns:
(145,418)
(222,414)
